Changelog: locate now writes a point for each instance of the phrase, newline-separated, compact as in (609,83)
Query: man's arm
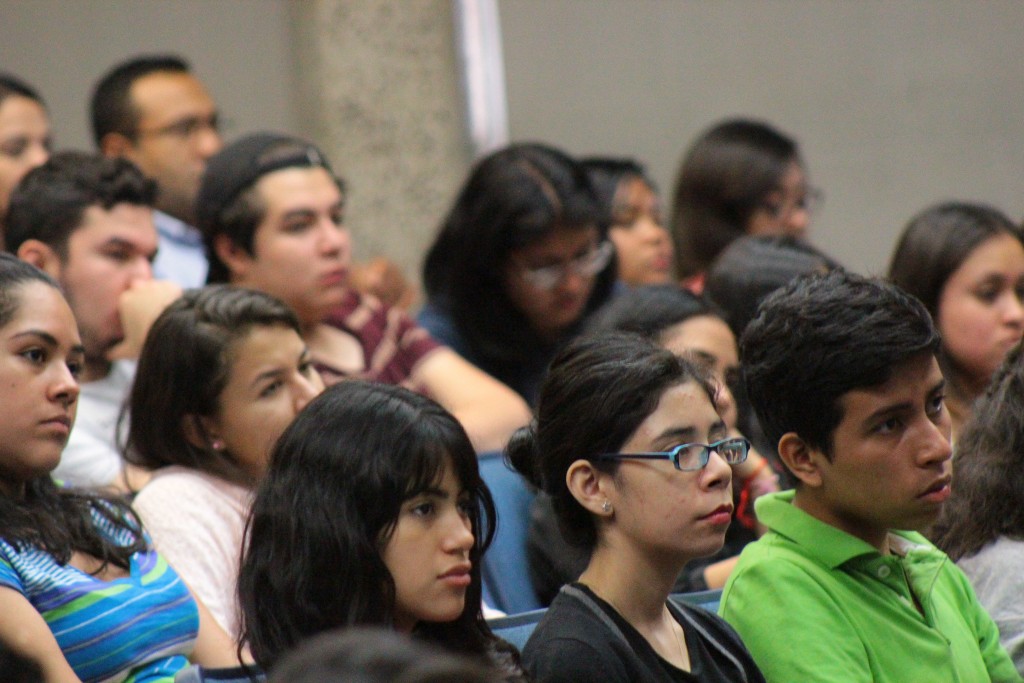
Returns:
(487,409)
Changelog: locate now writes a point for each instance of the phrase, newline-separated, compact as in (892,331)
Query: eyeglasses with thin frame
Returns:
(810,201)
(690,457)
(585,265)
(185,128)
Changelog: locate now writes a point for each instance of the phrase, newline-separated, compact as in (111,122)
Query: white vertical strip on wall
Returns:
(478,32)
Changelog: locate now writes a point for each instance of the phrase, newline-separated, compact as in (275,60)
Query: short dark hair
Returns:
(332,495)
(11,86)
(723,179)
(228,202)
(988,497)
(49,202)
(514,197)
(112,109)
(376,655)
(820,337)
(753,267)
(597,392)
(183,368)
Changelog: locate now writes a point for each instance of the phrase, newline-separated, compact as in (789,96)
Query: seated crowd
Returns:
(226,445)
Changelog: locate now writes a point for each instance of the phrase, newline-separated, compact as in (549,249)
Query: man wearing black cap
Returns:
(271,212)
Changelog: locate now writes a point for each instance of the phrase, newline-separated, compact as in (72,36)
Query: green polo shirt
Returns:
(813,603)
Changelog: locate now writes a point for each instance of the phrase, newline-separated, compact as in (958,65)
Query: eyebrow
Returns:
(274,372)
(902,407)
(47,339)
(121,243)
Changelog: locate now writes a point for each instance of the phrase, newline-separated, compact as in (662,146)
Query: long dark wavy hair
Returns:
(58,520)
(988,470)
(515,197)
(331,499)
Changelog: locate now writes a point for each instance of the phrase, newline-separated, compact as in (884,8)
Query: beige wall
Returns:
(896,104)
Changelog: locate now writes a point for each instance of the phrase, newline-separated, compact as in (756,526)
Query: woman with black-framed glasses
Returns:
(521,259)
(629,444)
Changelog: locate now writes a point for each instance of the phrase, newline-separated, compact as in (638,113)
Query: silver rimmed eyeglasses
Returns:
(690,457)
(585,265)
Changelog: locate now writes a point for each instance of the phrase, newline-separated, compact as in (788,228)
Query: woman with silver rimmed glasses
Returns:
(519,262)
(630,446)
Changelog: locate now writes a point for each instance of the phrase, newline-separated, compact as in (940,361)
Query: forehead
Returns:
(704,333)
(43,307)
(169,95)
(128,223)
(260,345)
(22,112)
(1002,252)
(298,188)
(681,406)
(559,244)
(910,383)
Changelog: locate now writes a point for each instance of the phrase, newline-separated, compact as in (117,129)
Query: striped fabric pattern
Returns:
(135,629)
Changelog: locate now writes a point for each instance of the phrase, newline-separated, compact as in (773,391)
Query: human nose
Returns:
(937,447)
(797,221)
(306,390)
(37,155)
(208,141)
(726,403)
(717,473)
(1013,311)
(64,387)
(459,533)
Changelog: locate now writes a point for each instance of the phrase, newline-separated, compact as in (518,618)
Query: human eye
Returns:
(298,225)
(271,388)
(422,508)
(466,505)
(935,404)
(34,355)
(119,254)
(888,426)
(74,367)
(14,147)
(687,456)
(988,292)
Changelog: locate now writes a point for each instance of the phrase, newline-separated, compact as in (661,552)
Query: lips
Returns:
(61,422)
(335,277)
(938,491)
(458,575)
(720,515)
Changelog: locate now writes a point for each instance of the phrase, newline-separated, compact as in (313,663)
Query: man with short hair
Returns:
(843,375)
(153,111)
(272,214)
(88,221)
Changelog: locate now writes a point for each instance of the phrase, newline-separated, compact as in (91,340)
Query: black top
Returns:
(582,639)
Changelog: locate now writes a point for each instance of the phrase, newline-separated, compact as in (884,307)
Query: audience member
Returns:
(271,211)
(629,198)
(153,111)
(965,262)
(628,443)
(740,177)
(686,325)
(81,592)
(88,222)
(221,375)
(752,267)
(519,262)
(982,524)
(843,374)
(375,655)
(384,531)
(24,135)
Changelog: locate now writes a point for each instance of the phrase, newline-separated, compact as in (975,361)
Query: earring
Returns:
(217,445)
(606,507)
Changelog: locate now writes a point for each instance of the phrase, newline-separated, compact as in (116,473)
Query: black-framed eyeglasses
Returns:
(690,457)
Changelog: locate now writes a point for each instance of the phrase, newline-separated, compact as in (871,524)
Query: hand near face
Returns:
(139,306)
(384,280)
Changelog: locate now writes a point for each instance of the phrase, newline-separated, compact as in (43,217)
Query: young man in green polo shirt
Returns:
(842,372)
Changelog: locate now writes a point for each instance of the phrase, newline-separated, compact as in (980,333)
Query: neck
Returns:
(805,499)
(634,583)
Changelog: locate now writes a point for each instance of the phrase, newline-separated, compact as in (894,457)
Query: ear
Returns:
(200,431)
(589,486)
(116,145)
(802,460)
(42,256)
(237,260)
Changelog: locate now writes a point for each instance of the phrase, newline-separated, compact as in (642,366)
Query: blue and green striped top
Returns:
(136,629)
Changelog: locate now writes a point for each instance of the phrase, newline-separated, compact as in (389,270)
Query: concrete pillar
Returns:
(380,92)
